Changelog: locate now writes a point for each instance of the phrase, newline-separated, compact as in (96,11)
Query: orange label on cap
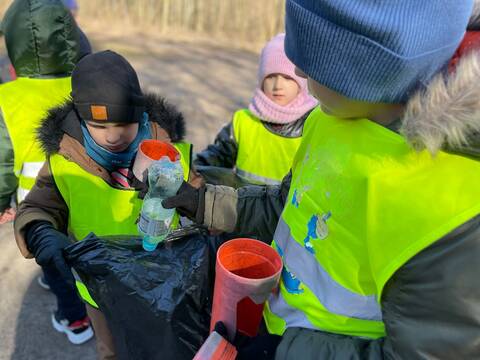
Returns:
(99,112)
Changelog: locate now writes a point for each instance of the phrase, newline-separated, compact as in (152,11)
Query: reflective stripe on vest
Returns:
(361,204)
(256,179)
(333,296)
(24,102)
(95,206)
(263,157)
(28,175)
(21,193)
(31,169)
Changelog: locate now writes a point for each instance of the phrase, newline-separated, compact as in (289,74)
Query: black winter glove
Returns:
(46,244)
(189,202)
(261,347)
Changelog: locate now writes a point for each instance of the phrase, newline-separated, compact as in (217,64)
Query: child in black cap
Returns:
(87,183)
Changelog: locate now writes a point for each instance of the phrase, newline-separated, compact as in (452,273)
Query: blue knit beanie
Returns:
(374,50)
(70,4)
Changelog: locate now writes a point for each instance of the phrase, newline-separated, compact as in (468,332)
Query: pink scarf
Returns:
(266,110)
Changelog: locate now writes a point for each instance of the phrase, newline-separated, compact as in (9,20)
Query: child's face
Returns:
(335,104)
(280,88)
(114,137)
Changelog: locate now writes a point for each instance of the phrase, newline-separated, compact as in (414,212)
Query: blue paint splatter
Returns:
(279,250)
(292,284)
(295,201)
(311,234)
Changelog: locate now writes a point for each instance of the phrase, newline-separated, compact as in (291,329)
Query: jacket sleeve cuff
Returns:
(19,229)
(5,203)
(220,208)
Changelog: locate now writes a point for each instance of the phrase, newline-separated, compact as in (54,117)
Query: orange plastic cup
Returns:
(247,271)
(150,151)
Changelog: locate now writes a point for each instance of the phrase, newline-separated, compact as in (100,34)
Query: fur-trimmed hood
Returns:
(446,115)
(63,120)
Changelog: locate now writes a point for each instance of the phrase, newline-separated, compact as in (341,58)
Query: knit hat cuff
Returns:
(280,65)
(354,65)
(110,113)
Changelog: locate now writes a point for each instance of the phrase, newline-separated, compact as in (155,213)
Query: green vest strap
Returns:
(82,290)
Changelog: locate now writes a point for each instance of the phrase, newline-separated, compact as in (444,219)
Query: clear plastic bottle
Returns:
(164,179)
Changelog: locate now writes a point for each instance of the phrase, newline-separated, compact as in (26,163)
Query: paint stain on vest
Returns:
(317,228)
(311,234)
(292,284)
(298,194)
(322,227)
(290,281)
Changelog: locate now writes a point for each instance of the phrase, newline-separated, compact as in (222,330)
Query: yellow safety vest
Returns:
(263,157)
(361,204)
(95,206)
(24,103)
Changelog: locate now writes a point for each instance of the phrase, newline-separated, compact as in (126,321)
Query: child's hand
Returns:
(7,216)
(189,202)
(47,244)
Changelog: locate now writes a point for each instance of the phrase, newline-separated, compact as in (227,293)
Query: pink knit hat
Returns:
(274,61)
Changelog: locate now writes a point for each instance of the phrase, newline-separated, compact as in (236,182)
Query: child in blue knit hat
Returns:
(378,224)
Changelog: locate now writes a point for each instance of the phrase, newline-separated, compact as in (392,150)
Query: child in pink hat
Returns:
(261,141)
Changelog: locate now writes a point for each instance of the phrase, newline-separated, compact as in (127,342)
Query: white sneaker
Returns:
(77,332)
(43,283)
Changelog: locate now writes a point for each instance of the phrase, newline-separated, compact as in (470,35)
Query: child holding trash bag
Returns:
(87,183)
(43,62)
(261,141)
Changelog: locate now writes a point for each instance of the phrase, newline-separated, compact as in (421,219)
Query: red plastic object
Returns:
(247,271)
(470,42)
(216,348)
(150,151)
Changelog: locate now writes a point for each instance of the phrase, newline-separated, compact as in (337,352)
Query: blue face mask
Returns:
(110,160)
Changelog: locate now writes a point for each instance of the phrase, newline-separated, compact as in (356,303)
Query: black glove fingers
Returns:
(64,269)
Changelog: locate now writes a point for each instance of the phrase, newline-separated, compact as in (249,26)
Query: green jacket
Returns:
(51,49)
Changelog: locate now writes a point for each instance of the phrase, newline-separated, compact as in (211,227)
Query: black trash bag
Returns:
(158,303)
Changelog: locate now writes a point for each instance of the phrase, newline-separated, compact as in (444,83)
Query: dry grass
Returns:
(239,22)
(3,6)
